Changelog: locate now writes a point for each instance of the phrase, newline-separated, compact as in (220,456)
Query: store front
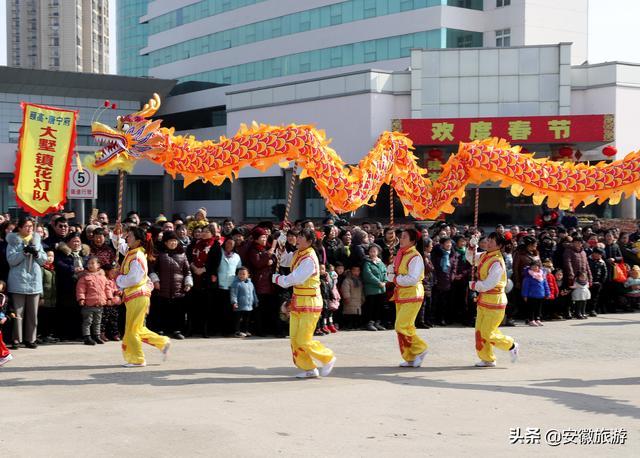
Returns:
(570,138)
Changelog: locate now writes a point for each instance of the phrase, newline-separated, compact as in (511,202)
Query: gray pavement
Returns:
(232,397)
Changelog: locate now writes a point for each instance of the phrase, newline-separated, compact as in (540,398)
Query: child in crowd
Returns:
(5,354)
(535,290)
(93,292)
(580,295)
(554,291)
(46,310)
(562,304)
(109,324)
(243,300)
(325,323)
(352,293)
(374,279)
(633,287)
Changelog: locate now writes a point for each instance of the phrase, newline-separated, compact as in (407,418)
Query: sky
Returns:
(612,24)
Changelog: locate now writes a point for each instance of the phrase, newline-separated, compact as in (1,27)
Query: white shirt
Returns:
(136,275)
(305,269)
(416,268)
(493,277)
(120,243)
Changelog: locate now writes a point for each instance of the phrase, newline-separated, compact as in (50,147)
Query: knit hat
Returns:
(257,232)
(636,268)
(547,263)
(599,251)
(70,236)
(169,235)
(201,210)
(161,218)
(508,236)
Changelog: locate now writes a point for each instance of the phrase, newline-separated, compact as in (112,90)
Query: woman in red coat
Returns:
(261,262)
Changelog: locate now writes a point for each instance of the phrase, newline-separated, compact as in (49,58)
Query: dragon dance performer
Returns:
(137,291)
(407,275)
(305,307)
(492,300)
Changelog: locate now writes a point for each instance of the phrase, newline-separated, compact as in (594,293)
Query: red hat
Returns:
(508,236)
(257,232)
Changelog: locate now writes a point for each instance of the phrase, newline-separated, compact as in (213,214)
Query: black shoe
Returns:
(370,326)
(178,336)
(31,345)
(593,313)
(97,340)
(89,341)
(15,346)
(510,323)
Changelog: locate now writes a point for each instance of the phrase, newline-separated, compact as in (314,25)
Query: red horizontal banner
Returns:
(516,130)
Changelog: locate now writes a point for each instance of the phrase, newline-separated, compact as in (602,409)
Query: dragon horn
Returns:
(150,108)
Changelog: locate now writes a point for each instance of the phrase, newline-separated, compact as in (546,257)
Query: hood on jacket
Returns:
(64,249)
(14,239)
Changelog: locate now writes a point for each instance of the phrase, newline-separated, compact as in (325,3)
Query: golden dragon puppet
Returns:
(346,188)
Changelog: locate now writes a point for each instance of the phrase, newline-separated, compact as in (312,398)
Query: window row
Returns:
(198,10)
(317,18)
(338,56)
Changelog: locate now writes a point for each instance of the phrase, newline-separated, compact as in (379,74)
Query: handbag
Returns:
(620,272)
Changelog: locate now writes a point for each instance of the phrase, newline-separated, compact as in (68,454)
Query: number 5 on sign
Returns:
(83,184)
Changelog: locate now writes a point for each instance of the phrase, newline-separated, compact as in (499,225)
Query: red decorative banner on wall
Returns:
(516,130)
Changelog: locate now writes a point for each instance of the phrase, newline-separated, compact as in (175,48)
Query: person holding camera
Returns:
(25,257)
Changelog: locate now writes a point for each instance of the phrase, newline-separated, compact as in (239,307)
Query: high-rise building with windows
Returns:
(71,35)
(131,36)
(242,41)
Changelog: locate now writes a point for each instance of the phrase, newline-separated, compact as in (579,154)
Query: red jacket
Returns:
(94,289)
(553,286)
(258,258)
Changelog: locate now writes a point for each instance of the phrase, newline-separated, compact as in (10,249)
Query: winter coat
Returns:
(522,259)
(598,271)
(554,291)
(574,262)
(25,274)
(429,276)
(612,251)
(633,285)
(444,279)
(258,258)
(48,287)
(226,270)
(580,292)
(533,288)
(4,265)
(244,294)
(374,273)
(105,254)
(171,270)
(200,258)
(352,296)
(334,250)
(66,277)
(358,251)
(94,289)
(326,291)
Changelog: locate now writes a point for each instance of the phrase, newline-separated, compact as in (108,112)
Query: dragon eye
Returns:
(125,126)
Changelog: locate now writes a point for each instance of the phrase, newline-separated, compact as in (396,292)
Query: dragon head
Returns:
(134,137)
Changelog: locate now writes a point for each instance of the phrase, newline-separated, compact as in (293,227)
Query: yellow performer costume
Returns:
(305,309)
(137,291)
(408,296)
(492,302)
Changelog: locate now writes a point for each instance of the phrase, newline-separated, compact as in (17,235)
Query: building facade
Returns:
(131,37)
(70,35)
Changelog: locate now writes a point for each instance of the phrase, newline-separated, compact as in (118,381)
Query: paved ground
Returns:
(226,397)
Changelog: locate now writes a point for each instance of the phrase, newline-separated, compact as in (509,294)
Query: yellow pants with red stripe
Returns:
(303,348)
(488,335)
(135,332)
(411,345)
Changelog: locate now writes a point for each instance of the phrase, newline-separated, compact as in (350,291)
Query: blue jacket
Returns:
(244,294)
(25,275)
(533,288)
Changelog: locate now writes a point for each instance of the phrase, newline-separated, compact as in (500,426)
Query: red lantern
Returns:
(609,151)
(106,103)
(565,151)
(114,106)
(435,153)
